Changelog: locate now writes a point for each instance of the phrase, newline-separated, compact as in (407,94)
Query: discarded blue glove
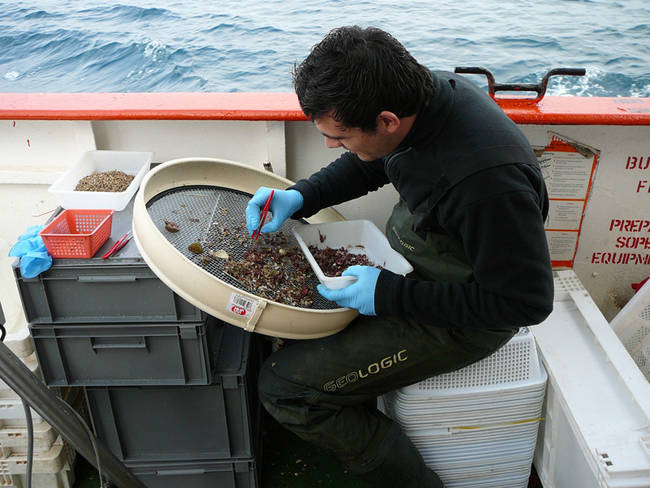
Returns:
(34,258)
(360,294)
(283,205)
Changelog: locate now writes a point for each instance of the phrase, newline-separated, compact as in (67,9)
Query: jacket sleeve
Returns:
(344,179)
(502,233)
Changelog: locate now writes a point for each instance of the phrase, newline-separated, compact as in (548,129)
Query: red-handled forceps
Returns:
(121,242)
(263,215)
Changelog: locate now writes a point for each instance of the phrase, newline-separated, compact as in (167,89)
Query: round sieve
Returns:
(213,218)
(188,202)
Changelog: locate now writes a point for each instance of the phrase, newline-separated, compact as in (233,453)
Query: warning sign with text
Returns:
(568,172)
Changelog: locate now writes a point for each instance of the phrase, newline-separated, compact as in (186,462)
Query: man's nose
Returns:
(332,143)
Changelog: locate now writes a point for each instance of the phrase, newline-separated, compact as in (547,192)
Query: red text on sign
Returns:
(629,225)
(620,258)
(634,162)
(633,242)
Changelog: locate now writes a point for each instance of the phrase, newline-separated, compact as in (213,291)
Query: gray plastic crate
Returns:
(92,291)
(125,354)
(190,423)
(121,288)
(221,474)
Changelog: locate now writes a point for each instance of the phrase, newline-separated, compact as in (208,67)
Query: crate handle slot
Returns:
(180,472)
(119,343)
(107,279)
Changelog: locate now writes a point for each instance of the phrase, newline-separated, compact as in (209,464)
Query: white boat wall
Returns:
(595,152)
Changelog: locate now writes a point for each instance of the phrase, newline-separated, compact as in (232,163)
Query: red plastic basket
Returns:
(76,233)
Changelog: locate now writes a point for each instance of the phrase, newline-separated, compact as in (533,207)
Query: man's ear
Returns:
(388,121)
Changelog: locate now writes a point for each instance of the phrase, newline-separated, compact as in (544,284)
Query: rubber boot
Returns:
(401,467)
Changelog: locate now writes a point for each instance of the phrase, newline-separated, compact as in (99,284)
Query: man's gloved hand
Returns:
(360,294)
(283,205)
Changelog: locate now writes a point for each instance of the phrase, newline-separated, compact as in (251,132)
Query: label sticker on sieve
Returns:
(241,305)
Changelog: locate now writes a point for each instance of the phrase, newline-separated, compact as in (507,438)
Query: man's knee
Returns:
(280,392)
(275,382)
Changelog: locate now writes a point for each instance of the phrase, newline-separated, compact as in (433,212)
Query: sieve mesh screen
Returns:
(214,217)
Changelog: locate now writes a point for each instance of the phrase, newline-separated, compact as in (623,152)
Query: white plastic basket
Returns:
(356,237)
(632,326)
(484,413)
(130,162)
(61,479)
(16,438)
(514,366)
(58,458)
(461,440)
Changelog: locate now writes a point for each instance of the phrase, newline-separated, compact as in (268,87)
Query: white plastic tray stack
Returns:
(632,326)
(477,427)
(53,460)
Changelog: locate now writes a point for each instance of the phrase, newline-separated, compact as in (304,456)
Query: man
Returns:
(469,219)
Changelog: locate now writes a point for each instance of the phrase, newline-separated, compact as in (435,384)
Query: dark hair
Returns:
(358,72)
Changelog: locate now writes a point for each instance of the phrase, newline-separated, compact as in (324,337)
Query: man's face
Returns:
(367,145)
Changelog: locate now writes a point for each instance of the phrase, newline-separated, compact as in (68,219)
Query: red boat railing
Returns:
(555,110)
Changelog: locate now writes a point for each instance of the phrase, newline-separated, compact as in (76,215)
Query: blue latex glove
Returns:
(31,231)
(34,258)
(283,205)
(360,294)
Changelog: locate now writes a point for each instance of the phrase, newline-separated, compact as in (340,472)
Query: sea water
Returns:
(245,45)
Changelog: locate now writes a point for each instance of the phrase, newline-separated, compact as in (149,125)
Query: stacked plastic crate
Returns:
(53,459)
(632,326)
(477,426)
(169,389)
(596,428)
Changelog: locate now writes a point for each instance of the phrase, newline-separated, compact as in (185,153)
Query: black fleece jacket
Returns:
(467,171)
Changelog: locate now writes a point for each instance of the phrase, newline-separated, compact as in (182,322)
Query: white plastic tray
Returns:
(357,237)
(514,366)
(130,162)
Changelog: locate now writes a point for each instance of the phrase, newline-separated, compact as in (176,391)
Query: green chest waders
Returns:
(437,258)
(323,389)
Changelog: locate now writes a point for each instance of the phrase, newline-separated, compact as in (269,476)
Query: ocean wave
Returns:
(599,83)
(241,28)
(532,42)
(126,13)
(42,14)
(641,29)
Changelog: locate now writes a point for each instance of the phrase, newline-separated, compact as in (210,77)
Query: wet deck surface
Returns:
(289,462)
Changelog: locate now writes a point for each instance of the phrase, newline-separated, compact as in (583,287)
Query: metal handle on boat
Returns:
(540,88)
